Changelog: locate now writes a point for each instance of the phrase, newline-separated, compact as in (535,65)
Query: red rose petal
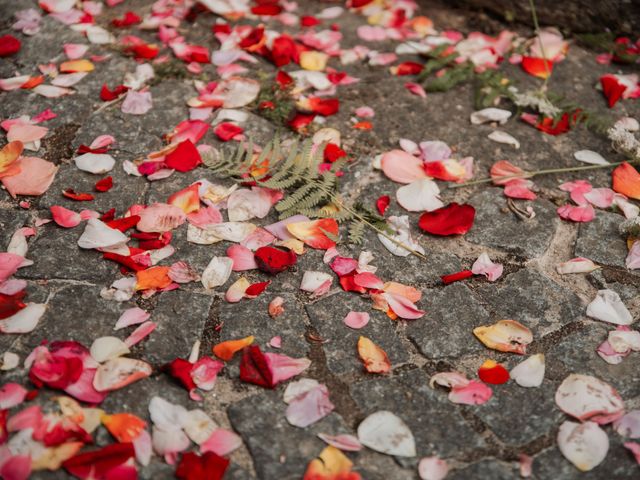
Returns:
(78,197)
(104,185)
(254,368)
(612,89)
(383,203)
(274,260)
(9,45)
(493,373)
(180,369)
(226,131)
(453,219)
(184,157)
(108,95)
(98,463)
(208,466)
(456,277)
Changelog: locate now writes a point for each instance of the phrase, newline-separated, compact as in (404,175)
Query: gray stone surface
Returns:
(251,317)
(532,299)
(181,317)
(452,314)
(10,221)
(58,257)
(550,464)
(531,412)
(491,468)
(480,442)
(437,425)
(279,450)
(340,344)
(576,354)
(497,227)
(590,244)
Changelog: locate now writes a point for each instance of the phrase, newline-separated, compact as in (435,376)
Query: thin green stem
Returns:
(541,172)
(536,25)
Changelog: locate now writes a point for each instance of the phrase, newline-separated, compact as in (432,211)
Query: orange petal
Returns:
(536,66)
(154,277)
(187,199)
(374,358)
(505,336)
(626,180)
(313,232)
(125,427)
(73,66)
(8,156)
(331,464)
(226,350)
(412,294)
(52,458)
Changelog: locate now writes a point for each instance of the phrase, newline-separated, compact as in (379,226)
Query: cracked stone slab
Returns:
(446,329)
(10,221)
(56,256)
(533,300)
(327,315)
(181,317)
(576,353)
(619,464)
(126,190)
(519,415)
(251,317)
(486,469)
(75,312)
(600,241)
(279,450)
(497,227)
(436,423)
(410,269)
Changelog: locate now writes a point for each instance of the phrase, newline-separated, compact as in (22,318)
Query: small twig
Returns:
(540,172)
(106,105)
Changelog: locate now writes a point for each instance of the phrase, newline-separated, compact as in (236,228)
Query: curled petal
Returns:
(505,336)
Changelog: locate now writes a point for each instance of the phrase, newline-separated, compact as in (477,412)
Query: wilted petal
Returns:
(530,372)
(588,398)
(384,432)
(356,320)
(120,372)
(106,348)
(608,307)
(25,320)
(484,266)
(419,196)
(577,265)
(402,167)
(373,357)
(96,163)
(583,444)
(505,336)
(217,272)
(432,468)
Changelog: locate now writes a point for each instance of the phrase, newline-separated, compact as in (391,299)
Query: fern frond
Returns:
(356,231)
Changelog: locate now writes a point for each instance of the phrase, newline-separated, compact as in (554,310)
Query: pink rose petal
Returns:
(356,320)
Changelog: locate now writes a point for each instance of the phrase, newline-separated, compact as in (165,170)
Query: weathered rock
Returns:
(436,423)
(279,450)
(533,300)
(327,317)
(497,227)
(445,330)
(591,243)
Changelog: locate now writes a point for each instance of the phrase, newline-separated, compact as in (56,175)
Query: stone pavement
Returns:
(479,442)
